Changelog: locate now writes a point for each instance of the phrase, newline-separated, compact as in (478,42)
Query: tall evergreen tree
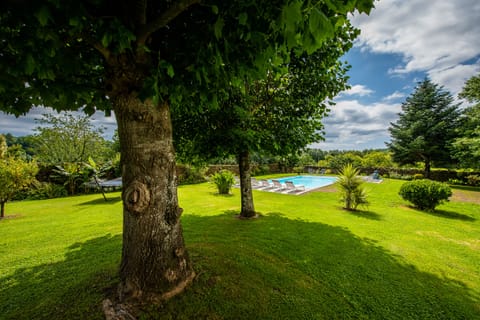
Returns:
(467,146)
(426,128)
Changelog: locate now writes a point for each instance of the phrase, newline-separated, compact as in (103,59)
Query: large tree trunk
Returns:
(2,209)
(155,264)
(248,210)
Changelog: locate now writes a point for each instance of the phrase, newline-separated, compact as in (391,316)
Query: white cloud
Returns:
(394,96)
(437,36)
(359,90)
(25,125)
(355,125)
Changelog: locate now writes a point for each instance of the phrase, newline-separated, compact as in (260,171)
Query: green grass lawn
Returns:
(304,258)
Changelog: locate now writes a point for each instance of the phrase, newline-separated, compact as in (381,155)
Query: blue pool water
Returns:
(310,182)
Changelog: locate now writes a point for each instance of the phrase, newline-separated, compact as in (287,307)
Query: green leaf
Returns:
(29,64)
(242,18)
(319,25)
(75,22)
(215,9)
(291,15)
(365,6)
(43,15)
(106,39)
(170,71)
(218,27)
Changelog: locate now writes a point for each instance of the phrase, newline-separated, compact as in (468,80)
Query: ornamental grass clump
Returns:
(351,188)
(425,194)
(223,180)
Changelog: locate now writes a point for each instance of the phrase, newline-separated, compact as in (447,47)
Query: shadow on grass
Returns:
(69,289)
(365,214)
(100,200)
(466,188)
(445,214)
(267,268)
(451,215)
(277,268)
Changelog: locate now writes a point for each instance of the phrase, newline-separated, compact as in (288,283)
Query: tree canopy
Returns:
(68,139)
(15,175)
(426,127)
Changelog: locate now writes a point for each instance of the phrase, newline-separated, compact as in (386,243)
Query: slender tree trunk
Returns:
(248,210)
(2,209)
(155,264)
(427,169)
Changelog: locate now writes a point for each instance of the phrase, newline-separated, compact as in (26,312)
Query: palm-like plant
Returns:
(351,188)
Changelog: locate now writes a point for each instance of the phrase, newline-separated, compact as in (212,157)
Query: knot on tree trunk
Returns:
(136,197)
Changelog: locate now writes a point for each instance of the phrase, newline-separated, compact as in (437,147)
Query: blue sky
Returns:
(401,42)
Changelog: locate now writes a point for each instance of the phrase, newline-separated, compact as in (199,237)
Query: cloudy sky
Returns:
(401,42)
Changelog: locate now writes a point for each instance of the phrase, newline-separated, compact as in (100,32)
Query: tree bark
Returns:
(2,209)
(155,264)
(247,210)
(427,169)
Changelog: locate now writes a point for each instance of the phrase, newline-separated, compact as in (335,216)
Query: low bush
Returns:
(418,176)
(224,180)
(473,180)
(191,174)
(46,190)
(425,194)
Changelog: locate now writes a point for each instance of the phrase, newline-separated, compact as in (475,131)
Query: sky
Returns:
(401,43)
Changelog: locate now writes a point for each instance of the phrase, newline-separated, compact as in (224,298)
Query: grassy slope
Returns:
(305,258)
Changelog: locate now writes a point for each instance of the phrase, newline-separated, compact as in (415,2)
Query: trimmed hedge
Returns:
(425,194)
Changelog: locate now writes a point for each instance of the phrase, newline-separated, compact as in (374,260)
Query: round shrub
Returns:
(224,180)
(425,194)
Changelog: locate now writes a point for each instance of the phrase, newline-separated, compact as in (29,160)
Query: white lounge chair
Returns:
(265,185)
(291,188)
(278,186)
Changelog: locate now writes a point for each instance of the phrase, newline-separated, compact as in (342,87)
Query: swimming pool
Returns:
(310,182)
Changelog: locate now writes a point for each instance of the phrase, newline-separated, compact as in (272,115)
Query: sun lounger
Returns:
(278,186)
(265,185)
(291,188)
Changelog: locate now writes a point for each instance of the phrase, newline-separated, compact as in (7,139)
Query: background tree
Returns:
(278,115)
(338,160)
(138,58)
(377,159)
(15,175)
(467,146)
(426,127)
(67,138)
(3,146)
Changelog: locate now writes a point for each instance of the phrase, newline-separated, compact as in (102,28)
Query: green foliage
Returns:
(471,89)
(192,174)
(223,180)
(425,194)
(45,190)
(351,188)
(418,176)
(15,176)
(3,146)
(377,159)
(426,127)
(69,139)
(340,160)
(71,174)
(473,180)
(466,148)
